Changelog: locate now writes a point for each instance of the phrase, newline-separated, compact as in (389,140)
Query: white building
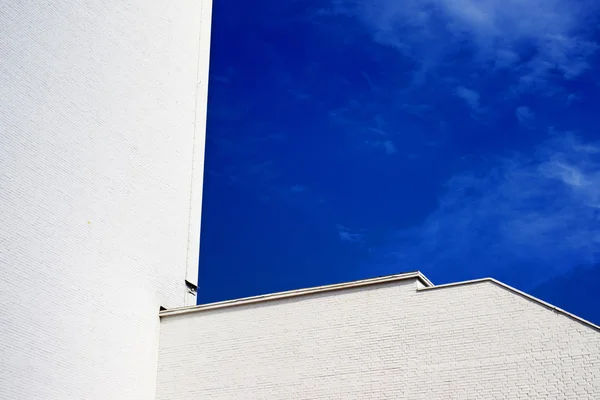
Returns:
(102,119)
(396,337)
(102,127)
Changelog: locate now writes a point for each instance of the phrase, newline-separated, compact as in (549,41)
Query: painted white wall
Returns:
(387,341)
(102,126)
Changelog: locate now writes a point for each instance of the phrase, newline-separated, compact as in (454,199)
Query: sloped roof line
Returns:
(517,292)
(300,292)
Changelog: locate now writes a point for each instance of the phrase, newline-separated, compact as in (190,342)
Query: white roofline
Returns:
(368,282)
(517,292)
(297,293)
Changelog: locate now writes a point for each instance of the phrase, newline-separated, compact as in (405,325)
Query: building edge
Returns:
(415,275)
(422,285)
(198,152)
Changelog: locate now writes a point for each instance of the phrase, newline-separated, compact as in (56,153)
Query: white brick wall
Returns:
(387,341)
(102,115)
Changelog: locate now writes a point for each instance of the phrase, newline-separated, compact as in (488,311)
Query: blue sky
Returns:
(349,139)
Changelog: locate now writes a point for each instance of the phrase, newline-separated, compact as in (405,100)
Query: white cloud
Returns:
(470,97)
(524,115)
(538,214)
(538,38)
(346,235)
(389,147)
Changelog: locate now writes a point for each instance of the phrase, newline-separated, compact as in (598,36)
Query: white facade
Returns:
(102,127)
(389,338)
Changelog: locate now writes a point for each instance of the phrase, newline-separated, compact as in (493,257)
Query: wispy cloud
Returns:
(297,189)
(571,98)
(524,115)
(535,214)
(419,110)
(386,145)
(469,96)
(373,136)
(347,235)
(538,39)
(389,147)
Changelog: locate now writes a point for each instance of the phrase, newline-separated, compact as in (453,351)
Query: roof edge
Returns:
(519,293)
(299,292)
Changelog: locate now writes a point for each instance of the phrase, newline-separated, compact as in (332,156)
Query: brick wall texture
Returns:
(102,106)
(387,341)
